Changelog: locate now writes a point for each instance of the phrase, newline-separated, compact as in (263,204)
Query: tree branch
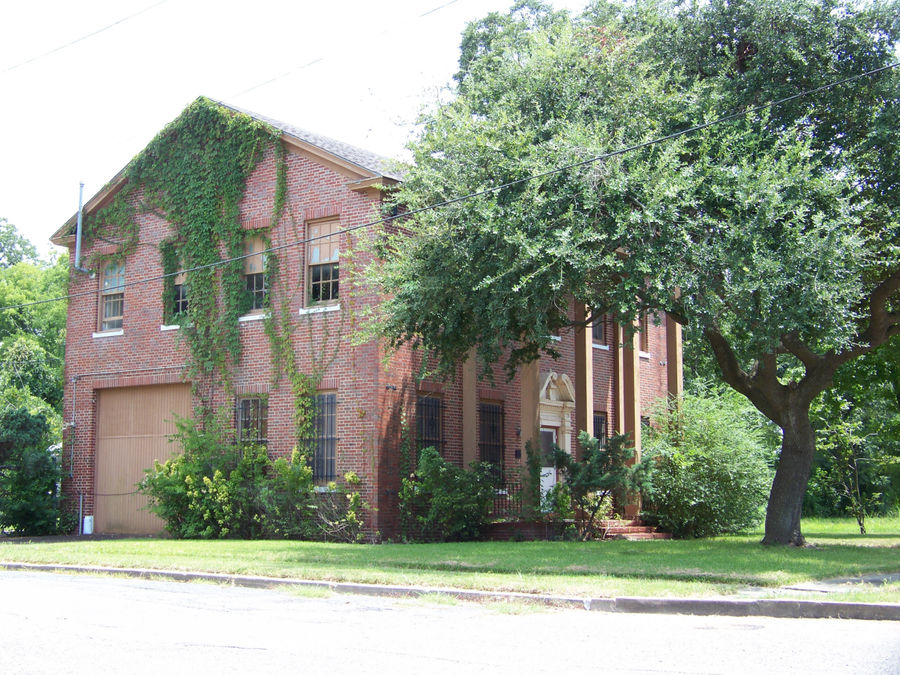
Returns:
(881,321)
(762,388)
(795,346)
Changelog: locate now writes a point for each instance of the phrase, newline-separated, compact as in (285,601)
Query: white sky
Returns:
(80,113)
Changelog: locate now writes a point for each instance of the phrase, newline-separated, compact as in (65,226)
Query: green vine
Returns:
(280,184)
(193,175)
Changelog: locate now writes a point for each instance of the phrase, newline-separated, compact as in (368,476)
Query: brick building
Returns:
(125,361)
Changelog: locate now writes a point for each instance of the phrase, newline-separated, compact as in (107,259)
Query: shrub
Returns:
(30,476)
(711,471)
(441,502)
(217,489)
(590,483)
(289,502)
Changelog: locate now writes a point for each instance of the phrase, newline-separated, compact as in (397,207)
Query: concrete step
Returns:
(643,536)
(633,530)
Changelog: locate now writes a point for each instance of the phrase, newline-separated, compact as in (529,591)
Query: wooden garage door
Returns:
(133,425)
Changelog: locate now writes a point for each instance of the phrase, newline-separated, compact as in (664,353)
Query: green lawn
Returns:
(725,565)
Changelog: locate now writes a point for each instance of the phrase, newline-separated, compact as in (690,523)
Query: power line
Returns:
(83,37)
(480,193)
(323,58)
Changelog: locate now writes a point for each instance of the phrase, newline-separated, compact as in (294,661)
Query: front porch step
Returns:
(632,530)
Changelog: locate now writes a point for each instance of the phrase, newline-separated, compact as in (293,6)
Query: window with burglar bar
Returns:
(253,419)
(429,427)
(323,442)
(490,436)
(601,428)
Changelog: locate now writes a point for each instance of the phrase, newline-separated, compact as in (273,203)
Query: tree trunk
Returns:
(786,499)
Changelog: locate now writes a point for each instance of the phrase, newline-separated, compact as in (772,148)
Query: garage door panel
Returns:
(134,425)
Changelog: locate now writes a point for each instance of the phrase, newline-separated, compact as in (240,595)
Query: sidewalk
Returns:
(818,608)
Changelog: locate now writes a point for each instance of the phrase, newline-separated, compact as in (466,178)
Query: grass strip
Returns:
(698,568)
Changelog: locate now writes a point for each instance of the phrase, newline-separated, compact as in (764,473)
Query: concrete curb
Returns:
(794,609)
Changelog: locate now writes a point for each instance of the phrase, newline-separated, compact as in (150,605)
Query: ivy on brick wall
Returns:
(193,175)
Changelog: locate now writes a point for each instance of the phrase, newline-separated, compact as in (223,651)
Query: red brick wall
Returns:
(374,400)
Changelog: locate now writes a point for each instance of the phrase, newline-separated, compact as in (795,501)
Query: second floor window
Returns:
(179,296)
(644,327)
(255,273)
(601,329)
(322,260)
(112,296)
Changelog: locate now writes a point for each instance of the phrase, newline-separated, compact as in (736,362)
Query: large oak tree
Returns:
(775,232)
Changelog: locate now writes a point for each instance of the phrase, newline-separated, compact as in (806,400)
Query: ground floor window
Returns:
(253,419)
(323,442)
(490,435)
(429,427)
(601,428)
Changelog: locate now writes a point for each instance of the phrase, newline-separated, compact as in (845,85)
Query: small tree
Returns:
(601,474)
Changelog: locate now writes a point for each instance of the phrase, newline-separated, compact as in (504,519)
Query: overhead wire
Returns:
(83,37)
(479,193)
(319,59)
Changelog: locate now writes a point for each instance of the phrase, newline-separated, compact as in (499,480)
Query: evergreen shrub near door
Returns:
(711,475)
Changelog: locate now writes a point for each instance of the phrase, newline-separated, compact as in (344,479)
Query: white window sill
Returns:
(166,327)
(318,309)
(109,333)
(252,317)
(645,355)
(555,338)
(598,346)
(324,489)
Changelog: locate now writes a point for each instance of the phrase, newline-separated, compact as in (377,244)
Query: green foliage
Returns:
(590,483)
(14,248)
(191,491)
(774,234)
(711,473)
(217,489)
(193,174)
(44,323)
(531,484)
(857,466)
(25,364)
(30,476)
(340,511)
(289,501)
(441,502)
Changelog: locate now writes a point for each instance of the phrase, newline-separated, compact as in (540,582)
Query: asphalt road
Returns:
(56,623)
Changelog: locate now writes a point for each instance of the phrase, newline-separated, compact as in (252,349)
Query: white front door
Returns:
(548,469)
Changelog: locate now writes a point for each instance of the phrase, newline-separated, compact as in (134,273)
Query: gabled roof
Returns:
(369,164)
(364,159)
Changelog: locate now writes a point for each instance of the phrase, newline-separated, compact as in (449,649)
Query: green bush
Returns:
(30,476)
(590,483)
(711,471)
(441,502)
(217,489)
